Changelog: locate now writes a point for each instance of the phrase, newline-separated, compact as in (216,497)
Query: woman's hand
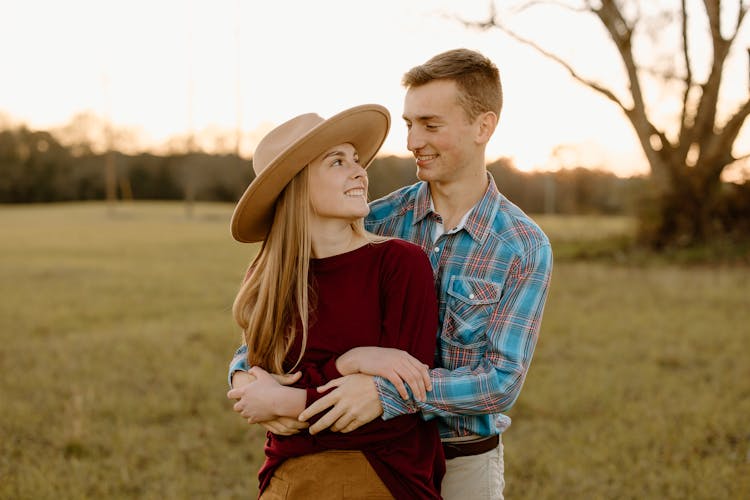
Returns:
(284,426)
(261,399)
(395,365)
(241,379)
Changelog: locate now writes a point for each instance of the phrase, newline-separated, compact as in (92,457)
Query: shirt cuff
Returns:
(393,404)
(238,363)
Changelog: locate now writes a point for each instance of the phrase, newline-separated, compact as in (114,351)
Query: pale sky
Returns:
(169,67)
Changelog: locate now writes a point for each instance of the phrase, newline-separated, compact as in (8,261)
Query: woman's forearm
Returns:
(241,378)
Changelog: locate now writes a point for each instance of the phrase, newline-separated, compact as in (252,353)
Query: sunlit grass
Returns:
(585,228)
(115,332)
(640,387)
(586,237)
(115,336)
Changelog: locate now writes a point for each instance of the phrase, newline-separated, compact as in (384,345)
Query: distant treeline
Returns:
(36,168)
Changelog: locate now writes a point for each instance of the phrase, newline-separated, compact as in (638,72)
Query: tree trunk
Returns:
(689,213)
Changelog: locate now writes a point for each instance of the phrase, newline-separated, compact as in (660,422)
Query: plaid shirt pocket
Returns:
(469,307)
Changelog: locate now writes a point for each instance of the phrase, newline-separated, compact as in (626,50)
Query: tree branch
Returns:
(739,158)
(665,76)
(705,115)
(713,11)
(740,17)
(589,83)
(688,74)
(716,147)
(494,22)
(535,3)
(718,151)
(621,32)
(621,29)
(731,130)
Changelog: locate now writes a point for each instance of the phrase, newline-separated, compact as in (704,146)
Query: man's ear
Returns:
(487,122)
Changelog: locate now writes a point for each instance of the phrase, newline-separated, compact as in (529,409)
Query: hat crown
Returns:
(281,139)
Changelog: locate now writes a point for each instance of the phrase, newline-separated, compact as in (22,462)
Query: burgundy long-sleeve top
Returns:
(381,294)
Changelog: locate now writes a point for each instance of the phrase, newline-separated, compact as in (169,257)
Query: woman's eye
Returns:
(337,163)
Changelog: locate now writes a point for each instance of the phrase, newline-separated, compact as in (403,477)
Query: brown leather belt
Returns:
(459,449)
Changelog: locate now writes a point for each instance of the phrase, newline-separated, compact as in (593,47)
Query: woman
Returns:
(318,292)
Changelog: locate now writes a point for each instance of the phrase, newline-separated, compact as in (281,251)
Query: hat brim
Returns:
(364,127)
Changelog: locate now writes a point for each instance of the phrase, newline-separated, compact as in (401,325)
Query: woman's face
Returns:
(338,184)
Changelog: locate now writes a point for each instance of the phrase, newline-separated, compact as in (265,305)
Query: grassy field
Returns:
(115,332)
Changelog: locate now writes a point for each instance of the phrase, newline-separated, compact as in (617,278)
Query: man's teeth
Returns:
(426,157)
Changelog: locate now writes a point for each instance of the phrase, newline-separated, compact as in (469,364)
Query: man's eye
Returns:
(336,163)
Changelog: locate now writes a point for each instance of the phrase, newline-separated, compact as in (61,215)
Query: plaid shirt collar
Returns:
(478,224)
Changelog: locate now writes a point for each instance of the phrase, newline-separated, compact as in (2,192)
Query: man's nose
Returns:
(414,140)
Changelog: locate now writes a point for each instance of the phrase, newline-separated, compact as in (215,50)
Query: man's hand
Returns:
(353,403)
(260,399)
(395,365)
(284,426)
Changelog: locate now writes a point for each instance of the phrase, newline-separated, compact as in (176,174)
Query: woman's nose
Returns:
(359,171)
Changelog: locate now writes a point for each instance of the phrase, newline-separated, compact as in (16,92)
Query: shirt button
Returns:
(437,249)
(471,296)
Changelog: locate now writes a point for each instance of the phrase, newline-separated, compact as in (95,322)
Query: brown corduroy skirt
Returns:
(327,475)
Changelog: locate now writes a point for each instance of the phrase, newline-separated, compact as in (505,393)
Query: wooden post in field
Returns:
(126,190)
(110,169)
(187,167)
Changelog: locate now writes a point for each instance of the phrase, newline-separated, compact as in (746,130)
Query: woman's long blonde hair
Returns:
(276,294)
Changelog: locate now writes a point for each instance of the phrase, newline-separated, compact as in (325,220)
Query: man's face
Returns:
(440,135)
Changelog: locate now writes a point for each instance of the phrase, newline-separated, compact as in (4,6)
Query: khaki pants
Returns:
(328,475)
(477,477)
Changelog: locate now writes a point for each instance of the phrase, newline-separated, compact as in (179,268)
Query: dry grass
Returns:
(115,333)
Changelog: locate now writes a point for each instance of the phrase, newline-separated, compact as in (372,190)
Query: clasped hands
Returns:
(268,400)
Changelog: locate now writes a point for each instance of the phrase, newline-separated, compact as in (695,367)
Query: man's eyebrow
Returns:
(424,118)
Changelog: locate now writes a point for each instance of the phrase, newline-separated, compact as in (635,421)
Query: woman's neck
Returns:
(329,238)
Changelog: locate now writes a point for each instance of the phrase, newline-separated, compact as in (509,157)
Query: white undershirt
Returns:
(440,229)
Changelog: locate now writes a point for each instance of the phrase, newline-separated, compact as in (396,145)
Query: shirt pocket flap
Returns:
(474,291)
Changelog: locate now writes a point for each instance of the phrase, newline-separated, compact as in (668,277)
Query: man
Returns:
(492,266)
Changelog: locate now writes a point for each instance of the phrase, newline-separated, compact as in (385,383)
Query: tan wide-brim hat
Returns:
(291,146)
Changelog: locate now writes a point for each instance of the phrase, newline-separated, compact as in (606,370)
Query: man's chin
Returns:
(423,174)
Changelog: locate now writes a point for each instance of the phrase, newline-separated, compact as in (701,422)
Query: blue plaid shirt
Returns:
(492,277)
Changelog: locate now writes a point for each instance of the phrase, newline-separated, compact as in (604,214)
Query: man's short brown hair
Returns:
(476,77)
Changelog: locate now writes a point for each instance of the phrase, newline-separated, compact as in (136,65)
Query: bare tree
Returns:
(687,162)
